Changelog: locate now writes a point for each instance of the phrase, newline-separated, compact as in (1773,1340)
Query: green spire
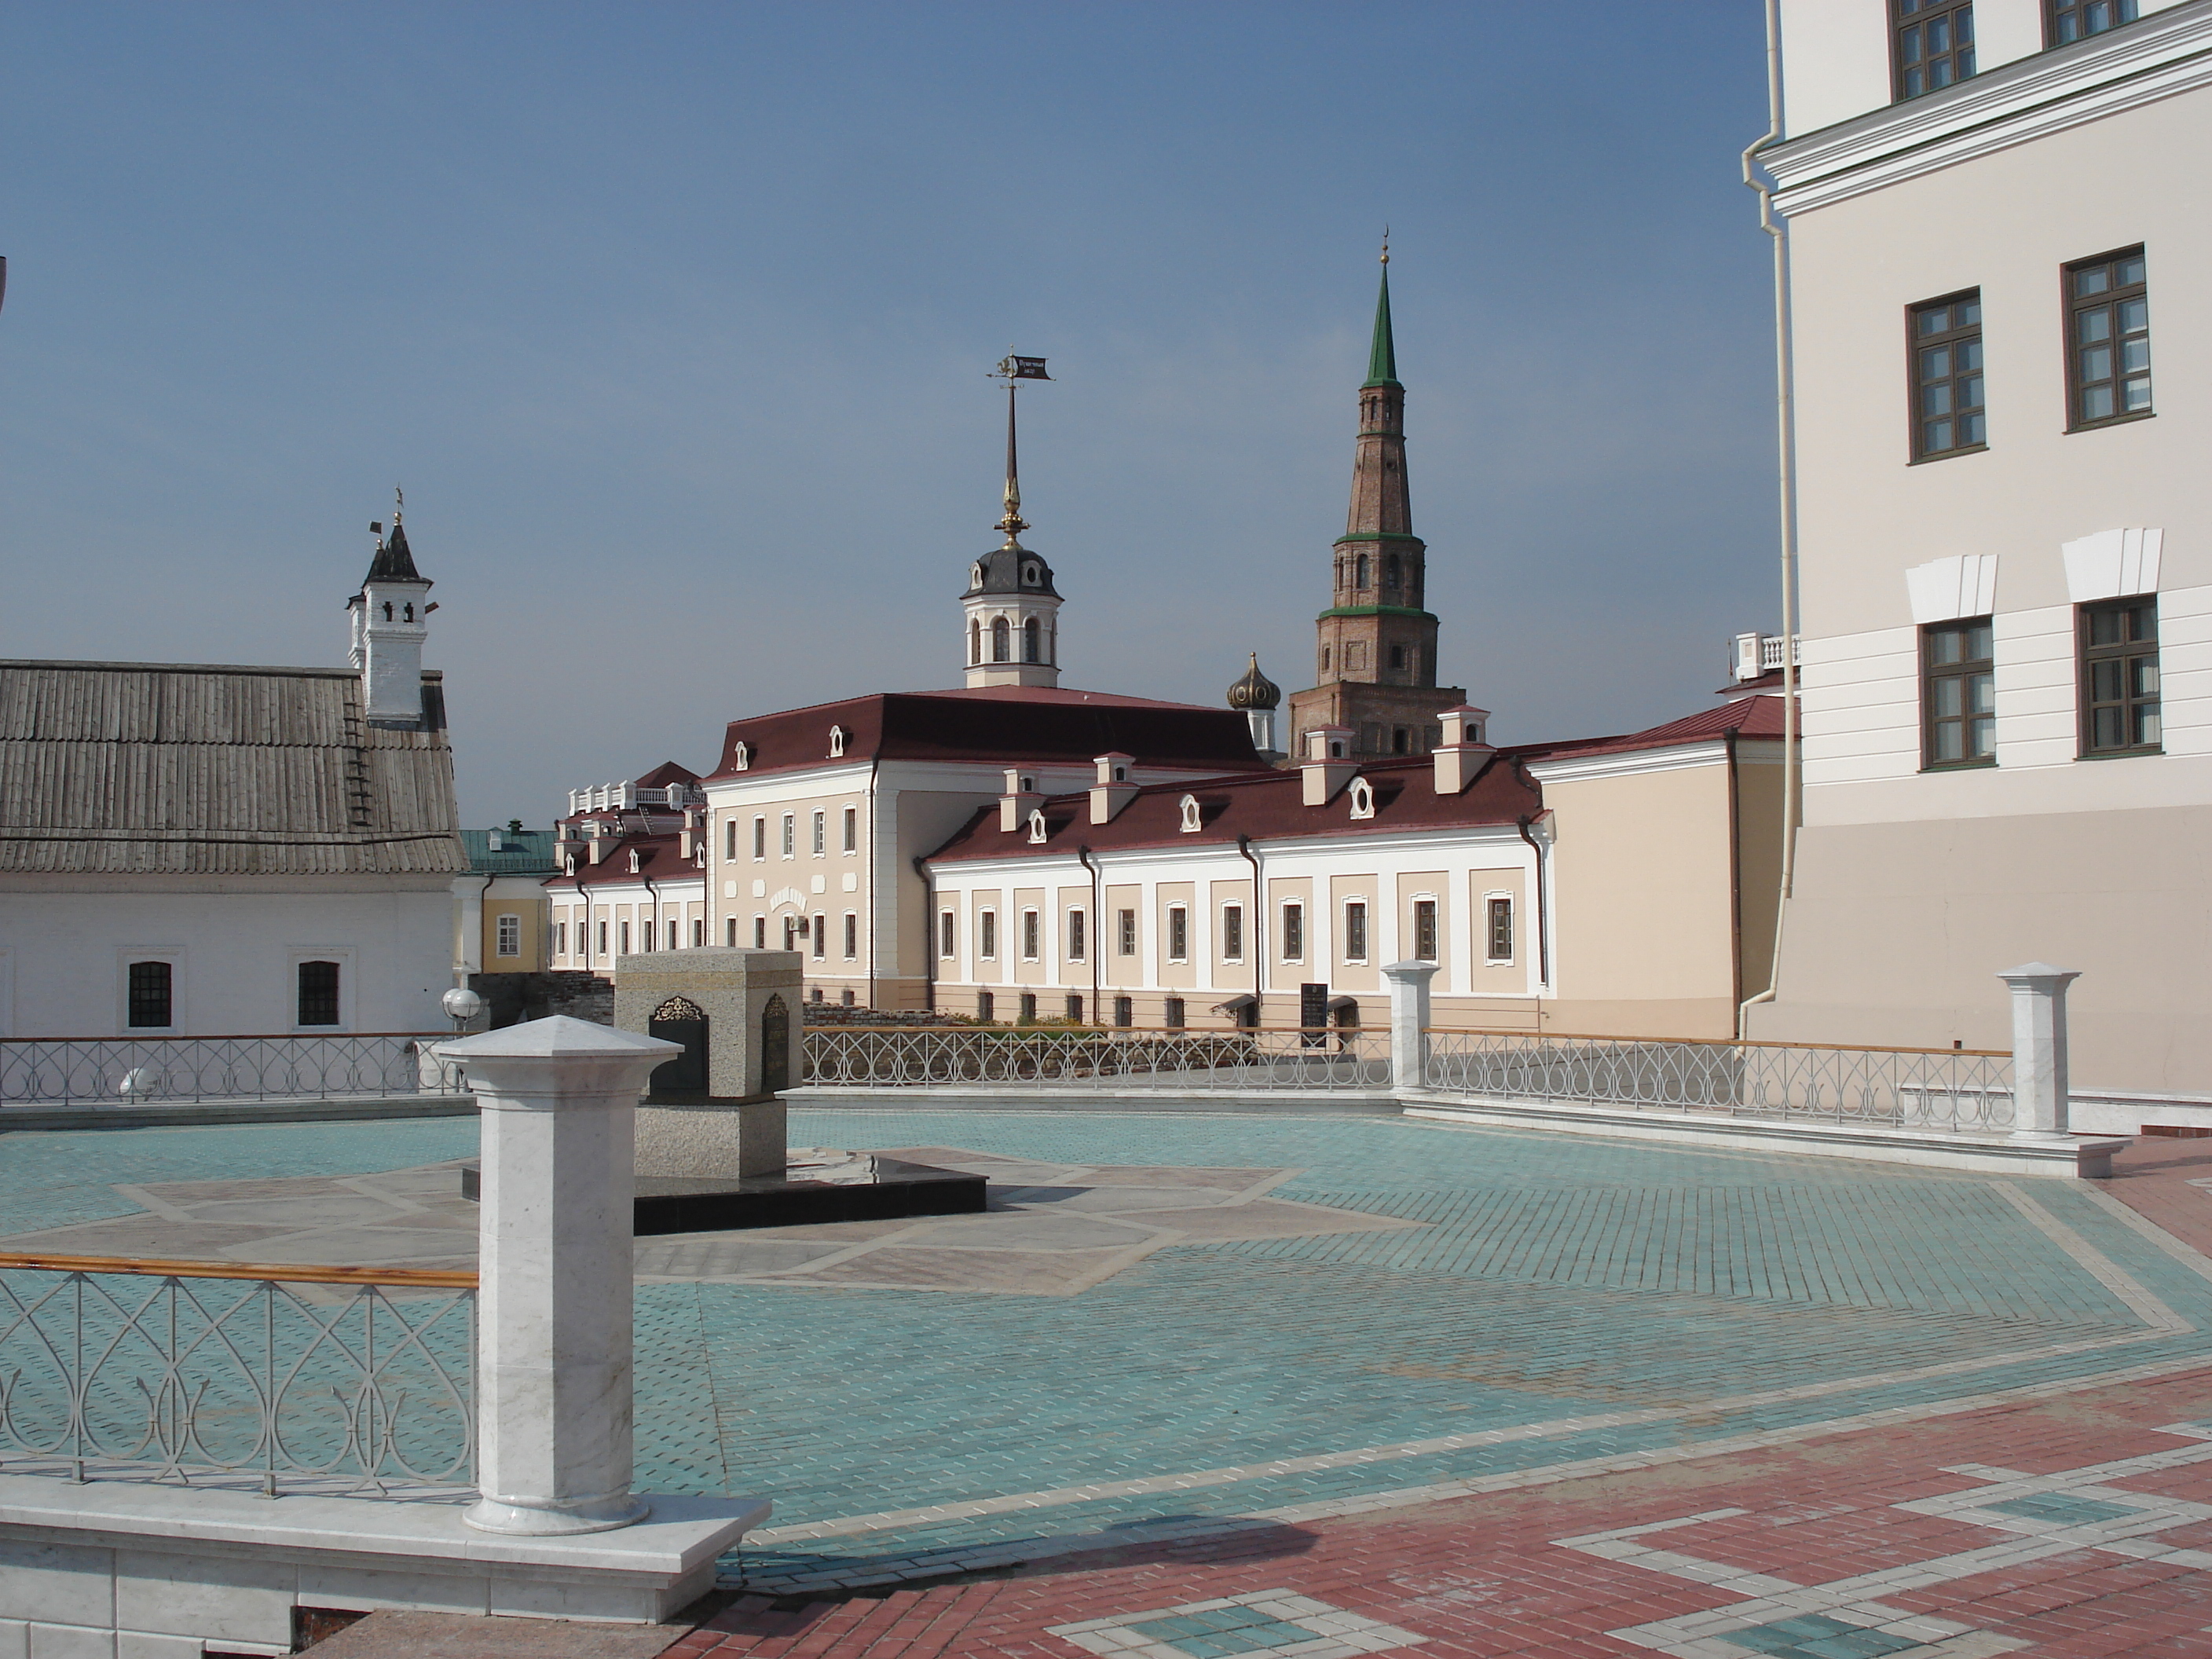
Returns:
(1382,355)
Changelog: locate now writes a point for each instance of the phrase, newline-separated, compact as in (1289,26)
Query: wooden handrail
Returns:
(409,1278)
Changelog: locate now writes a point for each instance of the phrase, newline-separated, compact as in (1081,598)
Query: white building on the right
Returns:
(1999,280)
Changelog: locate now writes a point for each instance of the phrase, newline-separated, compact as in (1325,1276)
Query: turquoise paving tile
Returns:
(2061,1506)
(1551,1278)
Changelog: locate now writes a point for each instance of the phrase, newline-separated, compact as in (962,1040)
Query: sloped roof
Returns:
(520,852)
(1003,726)
(659,858)
(169,769)
(1747,717)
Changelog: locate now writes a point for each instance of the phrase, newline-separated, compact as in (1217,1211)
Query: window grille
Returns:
(318,993)
(1958,693)
(1424,930)
(1355,931)
(1932,43)
(1126,932)
(1947,413)
(2108,334)
(1178,933)
(509,941)
(2119,678)
(1499,947)
(1076,941)
(1294,933)
(149,986)
(946,934)
(1232,932)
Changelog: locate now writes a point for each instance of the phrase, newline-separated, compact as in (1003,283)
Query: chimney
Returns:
(1327,765)
(1021,799)
(1466,748)
(688,843)
(597,846)
(1113,790)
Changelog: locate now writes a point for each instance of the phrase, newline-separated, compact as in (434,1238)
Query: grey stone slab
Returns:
(328,1209)
(139,1235)
(393,1635)
(1033,1233)
(362,1246)
(1032,1272)
(1118,1201)
(1265,1217)
(716,1255)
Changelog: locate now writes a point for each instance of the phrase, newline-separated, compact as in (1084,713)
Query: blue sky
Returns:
(674,321)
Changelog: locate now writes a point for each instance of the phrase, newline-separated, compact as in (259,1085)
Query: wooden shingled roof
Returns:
(177,769)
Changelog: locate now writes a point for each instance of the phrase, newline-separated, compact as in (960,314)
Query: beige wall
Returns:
(1115,969)
(523,897)
(1516,974)
(1174,974)
(1363,977)
(1289,975)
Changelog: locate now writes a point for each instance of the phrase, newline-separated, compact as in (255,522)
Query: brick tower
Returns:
(1376,660)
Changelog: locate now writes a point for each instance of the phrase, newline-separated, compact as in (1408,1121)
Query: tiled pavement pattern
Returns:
(1584,1335)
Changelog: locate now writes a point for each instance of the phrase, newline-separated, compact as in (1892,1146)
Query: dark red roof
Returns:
(662,775)
(1267,807)
(1005,726)
(659,859)
(1747,717)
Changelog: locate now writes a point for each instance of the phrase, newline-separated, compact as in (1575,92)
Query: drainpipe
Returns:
(654,893)
(1258,932)
(1786,437)
(1096,942)
(1543,919)
(929,929)
(868,846)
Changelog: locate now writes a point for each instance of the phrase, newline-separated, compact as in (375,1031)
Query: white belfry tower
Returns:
(1011,610)
(389,619)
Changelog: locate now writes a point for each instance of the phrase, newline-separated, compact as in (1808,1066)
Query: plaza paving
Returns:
(1429,1430)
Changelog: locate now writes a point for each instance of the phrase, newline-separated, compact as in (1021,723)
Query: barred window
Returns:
(1500,946)
(1232,932)
(149,987)
(946,934)
(1947,414)
(1125,1011)
(1029,932)
(1172,1014)
(986,933)
(1029,1007)
(1355,931)
(1932,43)
(1074,1008)
(986,1004)
(1294,933)
(2108,336)
(318,993)
(1076,941)
(1958,693)
(1127,932)
(1424,930)
(1178,933)
(2119,678)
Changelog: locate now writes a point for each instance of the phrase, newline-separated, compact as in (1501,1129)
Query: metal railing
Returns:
(278,1379)
(1933,1089)
(1090,1057)
(138,1071)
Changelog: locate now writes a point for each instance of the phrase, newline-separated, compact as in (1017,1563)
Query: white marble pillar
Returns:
(559,1100)
(1409,1021)
(2038,1048)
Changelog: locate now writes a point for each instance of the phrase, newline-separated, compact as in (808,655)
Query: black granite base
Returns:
(861,1188)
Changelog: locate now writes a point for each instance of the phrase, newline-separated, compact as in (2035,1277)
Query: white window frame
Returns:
(818,933)
(821,832)
(986,934)
(852,830)
(174,955)
(1512,928)
(1128,938)
(852,940)
(1237,908)
(948,935)
(791,835)
(1413,904)
(1366,929)
(760,839)
(1032,934)
(1290,929)
(1178,923)
(1077,932)
(506,933)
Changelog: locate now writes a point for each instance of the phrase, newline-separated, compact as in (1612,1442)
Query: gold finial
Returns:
(1386,245)
(398,503)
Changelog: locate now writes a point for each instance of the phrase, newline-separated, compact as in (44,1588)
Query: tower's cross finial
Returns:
(1012,369)
(399,504)
(1386,245)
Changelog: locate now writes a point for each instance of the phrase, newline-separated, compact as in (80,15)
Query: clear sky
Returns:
(674,321)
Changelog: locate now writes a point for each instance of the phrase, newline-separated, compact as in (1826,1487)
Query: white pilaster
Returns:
(1409,1021)
(2038,1048)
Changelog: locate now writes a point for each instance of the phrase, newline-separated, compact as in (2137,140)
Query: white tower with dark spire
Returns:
(390,620)
(1011,612)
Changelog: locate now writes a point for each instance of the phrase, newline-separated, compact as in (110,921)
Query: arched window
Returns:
(1390,570)
(999,639)
(410,613)
(1190,814)
(836,741)
(1363,799)
(1360,569)
(1032,637)
(974,640)
(1036,828)
(741,758)
(388,611)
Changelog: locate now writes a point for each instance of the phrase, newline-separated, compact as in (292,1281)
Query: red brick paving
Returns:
(1482,1577)
(2152,1178)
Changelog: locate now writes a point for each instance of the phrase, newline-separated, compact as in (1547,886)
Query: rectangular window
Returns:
(791,930)
(790,835)
(1029,1007)
(1076,942)
(760,838)
(1075,1009)
(852,937)
(986,933)
(2119,678)
(1178,933)
(821,832)
(1232,932)
(1171,1013)
(1498,947)
(318,993)
(560,939)
(1424,930)
(509,936)
(1126,932)
(603,939)
(2108,335)
(760,932)
(625,939)
(699,933)
(1294,933)
(1947,415)
(820,935)
(148,989)
(1932,43)
(946,934)
(1029,931)
(986,1004)
(852,829)
(1125,1011)
(1958,693)
(1355,930)
(675,935)
(730,840)
(2066,21)
(730,932)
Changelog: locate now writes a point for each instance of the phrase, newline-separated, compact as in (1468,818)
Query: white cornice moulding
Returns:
(2155,58)
(2112,564)
(1944,590)
(1707,751)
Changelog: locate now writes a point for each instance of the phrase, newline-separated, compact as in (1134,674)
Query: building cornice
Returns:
(1630,763)
(2154,57)
(1378,536)
(1014,862)
(1376,611)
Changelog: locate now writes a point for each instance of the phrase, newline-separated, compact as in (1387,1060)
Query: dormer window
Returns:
(1029,575)
(1363,799)
(976,575)
(571,862)
(1336,748)
(1029,785)
(1121,775)
(836,741)
(636,863)
(1036,828)
(1191,824)
(741,758)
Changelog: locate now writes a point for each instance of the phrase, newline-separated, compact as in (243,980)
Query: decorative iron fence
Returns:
(1092,1057)
(335,1381)
(133,1071)
(1935,1089)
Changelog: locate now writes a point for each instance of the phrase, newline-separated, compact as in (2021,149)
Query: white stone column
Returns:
(2038,1048)
(559,1099)
(1409,1021)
